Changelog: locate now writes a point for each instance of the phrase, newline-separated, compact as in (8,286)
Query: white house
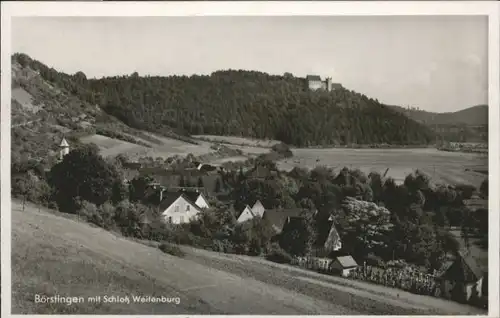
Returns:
(246,215)
(249,213)
(343,265)
(258,209)
(182,207)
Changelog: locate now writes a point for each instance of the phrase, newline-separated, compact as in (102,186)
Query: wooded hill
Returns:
(472,116)
(241,103)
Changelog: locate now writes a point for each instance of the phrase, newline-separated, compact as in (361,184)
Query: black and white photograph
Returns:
(249,164)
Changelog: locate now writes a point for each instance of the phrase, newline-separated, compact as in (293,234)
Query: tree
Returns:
(218,185)
(298,235)
(85,174)
(367,224)
(138,187)
(182,182)
(484,188)
(26,186)
(200,182)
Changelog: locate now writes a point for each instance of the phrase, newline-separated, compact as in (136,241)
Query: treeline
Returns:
(242,103)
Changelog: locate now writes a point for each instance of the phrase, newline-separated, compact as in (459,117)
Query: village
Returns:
(182,195)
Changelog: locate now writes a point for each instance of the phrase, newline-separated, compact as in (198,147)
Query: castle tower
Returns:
(328,84)
(63,149)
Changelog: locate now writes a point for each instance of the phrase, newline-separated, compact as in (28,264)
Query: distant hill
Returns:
(467,125)
(472,116)
(240,103)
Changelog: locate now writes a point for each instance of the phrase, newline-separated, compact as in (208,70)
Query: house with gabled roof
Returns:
(246,215)
(343,265)
(462,279)
(178,207)
(258,209)
(279,218)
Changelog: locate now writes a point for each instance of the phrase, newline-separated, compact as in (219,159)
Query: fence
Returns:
(407,278)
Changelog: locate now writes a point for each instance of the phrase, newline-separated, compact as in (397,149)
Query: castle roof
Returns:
(313,78)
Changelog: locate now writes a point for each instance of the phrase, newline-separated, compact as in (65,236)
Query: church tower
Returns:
(63,149)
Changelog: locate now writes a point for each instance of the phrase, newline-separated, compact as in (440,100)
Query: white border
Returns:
(371,8)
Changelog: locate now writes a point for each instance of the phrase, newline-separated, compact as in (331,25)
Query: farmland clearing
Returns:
(53,255)
(441,166)
(169,147)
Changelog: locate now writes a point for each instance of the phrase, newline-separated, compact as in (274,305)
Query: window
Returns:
(188,207)
(181,219)
(169,219)
(176,208)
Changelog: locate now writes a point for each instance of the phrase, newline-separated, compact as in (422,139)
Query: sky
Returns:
(436,63)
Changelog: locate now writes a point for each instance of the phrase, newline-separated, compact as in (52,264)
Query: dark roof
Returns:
(278,217)
(347,261)
(313,78)
(336,85)
(168,199)
(132,165)
(464,269)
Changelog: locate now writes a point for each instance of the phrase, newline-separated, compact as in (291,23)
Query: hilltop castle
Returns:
(314,82)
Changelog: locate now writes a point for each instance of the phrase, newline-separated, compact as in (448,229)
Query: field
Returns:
(168,148)
(241,141)
(441,166)
(54,255)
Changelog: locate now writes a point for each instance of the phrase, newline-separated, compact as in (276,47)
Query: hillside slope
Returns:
(241,103)
(53,255)
(42,112)
(472,116)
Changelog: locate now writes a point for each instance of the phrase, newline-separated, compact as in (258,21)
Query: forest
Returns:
(241,103)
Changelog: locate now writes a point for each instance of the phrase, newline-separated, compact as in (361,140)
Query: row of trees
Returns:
(243,103)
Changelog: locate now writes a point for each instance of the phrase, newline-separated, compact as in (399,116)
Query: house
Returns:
(180,207)
(197,197)
(343,265)
(314,82)
(463,280)
(246,215)
(257,210)
(279,218)
(332,242)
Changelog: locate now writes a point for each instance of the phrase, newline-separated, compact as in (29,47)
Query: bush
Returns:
(278,255)
(171,249)
(374,260)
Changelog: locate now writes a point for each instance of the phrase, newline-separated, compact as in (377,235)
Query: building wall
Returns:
(201,202)
(468,290)
(314,85)
(181,211)
(245,215)
(339,269)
